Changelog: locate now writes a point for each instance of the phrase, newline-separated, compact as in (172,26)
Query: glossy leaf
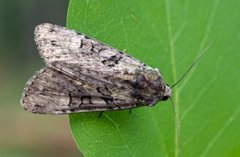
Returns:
(168,35)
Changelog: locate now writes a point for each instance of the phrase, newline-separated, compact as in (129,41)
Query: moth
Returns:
(83,74)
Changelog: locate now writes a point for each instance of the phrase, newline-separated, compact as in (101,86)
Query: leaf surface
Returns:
(168,35)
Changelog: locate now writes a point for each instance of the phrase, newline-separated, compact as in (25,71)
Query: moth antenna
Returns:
(194,63)
(178,139)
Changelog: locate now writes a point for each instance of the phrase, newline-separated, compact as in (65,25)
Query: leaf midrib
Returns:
(177,152)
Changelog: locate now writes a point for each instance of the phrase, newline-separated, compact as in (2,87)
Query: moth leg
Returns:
(124,50)
(100,114)
(130,111)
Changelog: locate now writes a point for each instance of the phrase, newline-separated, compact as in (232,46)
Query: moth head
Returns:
(167,93)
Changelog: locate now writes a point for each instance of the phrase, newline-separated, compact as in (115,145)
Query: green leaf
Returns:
(167,34)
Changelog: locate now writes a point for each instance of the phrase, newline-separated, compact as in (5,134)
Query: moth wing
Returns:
(77,54)
(52,92)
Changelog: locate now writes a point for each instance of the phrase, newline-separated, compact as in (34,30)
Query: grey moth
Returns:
(83,74)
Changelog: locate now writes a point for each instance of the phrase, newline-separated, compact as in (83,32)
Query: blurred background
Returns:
(23,133)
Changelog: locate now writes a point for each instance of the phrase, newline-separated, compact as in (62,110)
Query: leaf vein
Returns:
(220,132)
(120,134)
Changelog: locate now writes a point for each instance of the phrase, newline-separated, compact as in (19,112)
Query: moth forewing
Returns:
(84,75)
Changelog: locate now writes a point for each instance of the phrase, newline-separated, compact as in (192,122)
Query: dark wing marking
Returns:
(76,54)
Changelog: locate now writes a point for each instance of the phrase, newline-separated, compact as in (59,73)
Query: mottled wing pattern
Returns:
(77,54)
(53,92)
(83,75)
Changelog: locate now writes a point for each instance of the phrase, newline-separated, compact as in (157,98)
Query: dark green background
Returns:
(24,134)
